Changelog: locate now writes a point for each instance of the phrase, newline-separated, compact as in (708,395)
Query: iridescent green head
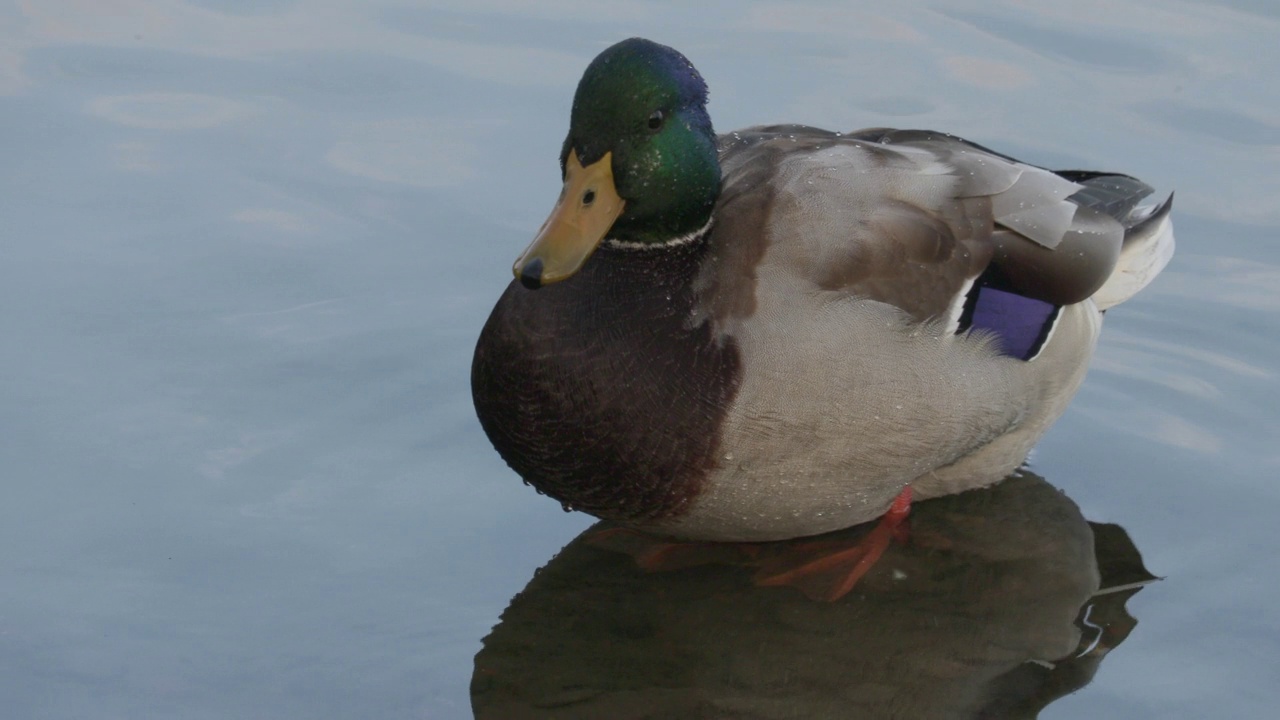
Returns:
(639,163)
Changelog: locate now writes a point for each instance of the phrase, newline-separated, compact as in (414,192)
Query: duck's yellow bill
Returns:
(587,208)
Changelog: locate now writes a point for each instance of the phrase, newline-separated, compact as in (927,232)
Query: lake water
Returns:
(246,249)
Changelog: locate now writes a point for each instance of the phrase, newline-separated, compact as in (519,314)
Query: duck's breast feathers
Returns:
(911,218)
(600,393)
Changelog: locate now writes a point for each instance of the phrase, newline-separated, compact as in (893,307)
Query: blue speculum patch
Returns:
(1020,324)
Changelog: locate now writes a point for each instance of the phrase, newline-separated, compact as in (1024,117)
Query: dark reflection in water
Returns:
(1001,601)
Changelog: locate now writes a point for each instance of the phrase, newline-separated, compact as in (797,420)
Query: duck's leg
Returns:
(823,570)
(655,554)
(828,570)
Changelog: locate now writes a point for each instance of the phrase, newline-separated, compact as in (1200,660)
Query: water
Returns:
(247,248)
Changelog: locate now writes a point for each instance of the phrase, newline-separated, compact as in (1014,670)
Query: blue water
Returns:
(246,248)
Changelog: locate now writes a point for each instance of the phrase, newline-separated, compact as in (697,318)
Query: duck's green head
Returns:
(639,164)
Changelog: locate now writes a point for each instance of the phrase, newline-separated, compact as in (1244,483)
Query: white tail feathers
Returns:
(1148,247)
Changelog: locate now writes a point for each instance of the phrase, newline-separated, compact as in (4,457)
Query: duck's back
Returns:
(910,217)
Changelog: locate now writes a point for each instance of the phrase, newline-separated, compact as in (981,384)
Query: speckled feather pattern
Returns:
(792,370)
(853,388)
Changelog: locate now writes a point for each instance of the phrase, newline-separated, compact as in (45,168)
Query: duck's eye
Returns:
(655,120)
(588,197)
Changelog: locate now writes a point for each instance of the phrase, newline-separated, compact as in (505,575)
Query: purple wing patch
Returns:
(1020,324)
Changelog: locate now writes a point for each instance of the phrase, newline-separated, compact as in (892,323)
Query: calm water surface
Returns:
(246,248)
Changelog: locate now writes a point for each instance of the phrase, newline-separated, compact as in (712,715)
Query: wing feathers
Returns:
(912,218)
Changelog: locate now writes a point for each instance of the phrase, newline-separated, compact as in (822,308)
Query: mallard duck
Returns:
(783,331)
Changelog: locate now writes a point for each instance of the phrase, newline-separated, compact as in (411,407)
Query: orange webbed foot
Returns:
(827,570)
(822,569)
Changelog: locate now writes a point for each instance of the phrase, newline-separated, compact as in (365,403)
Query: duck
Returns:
(784,331)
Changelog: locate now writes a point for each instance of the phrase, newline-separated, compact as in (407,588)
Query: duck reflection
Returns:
(999,602)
